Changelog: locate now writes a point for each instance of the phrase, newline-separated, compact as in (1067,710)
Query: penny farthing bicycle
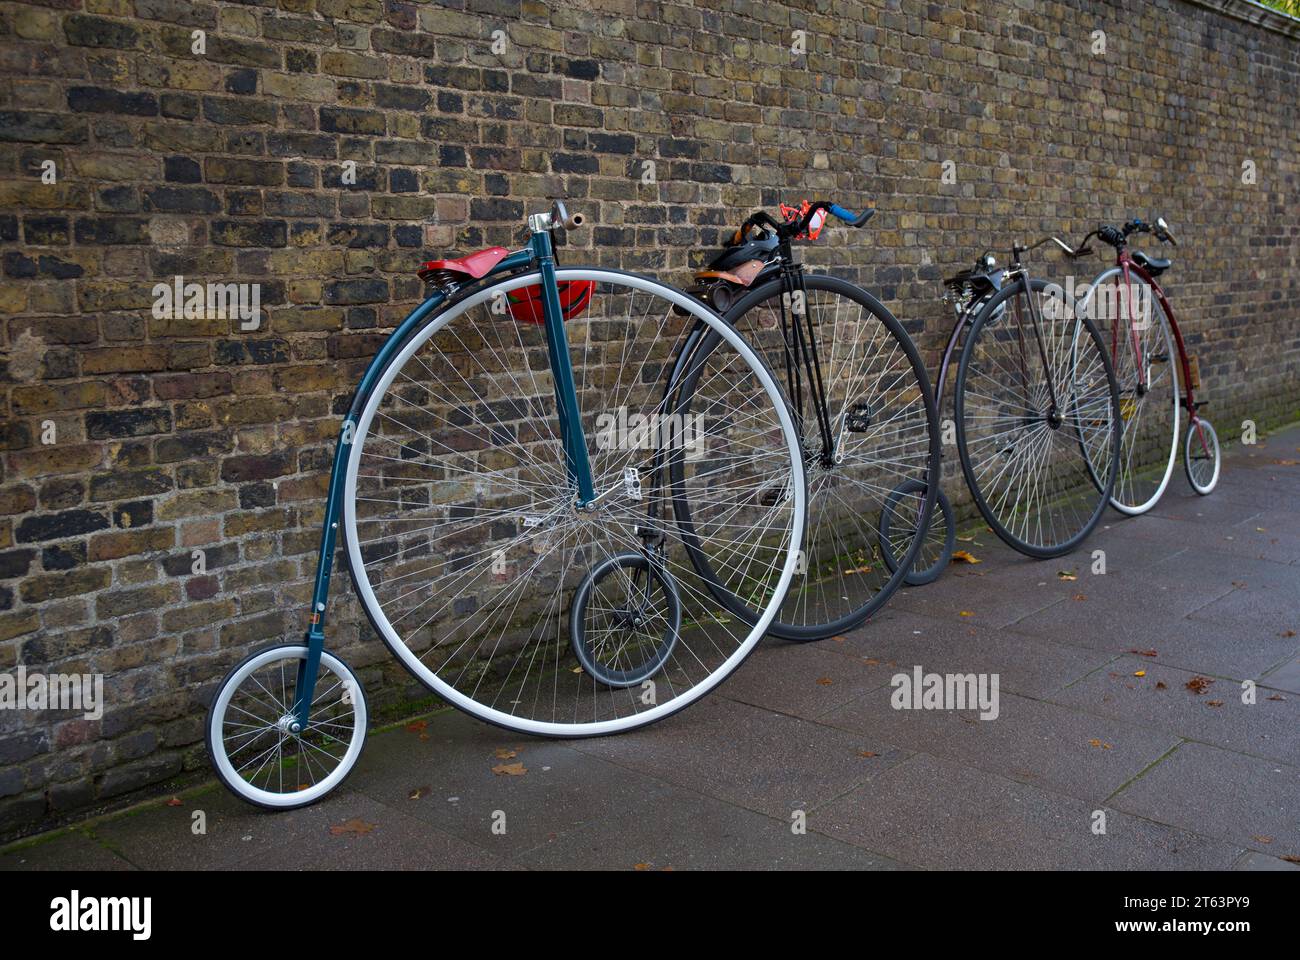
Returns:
(1036,414)
(505,513)
(862,403)
(1157,376)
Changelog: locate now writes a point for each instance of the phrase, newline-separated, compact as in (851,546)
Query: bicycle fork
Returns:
(805,361)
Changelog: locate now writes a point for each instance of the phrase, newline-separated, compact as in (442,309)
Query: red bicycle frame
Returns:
(1129,267)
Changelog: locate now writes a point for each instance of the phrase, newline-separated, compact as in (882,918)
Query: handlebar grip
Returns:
(1083,251)
(848,216)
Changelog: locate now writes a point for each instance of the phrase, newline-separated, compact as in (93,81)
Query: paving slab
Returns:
(801,679)
(754,758)
(346,829)
(941,814)
(1285,676)
(1143,612)
(1166,699)
(999,595)
(1029,665)
(699,833)
(70,851)
(1218,793)
(1258,862)
(1031,741)
(477,780)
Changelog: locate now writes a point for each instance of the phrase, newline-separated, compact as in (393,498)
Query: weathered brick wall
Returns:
(172,435)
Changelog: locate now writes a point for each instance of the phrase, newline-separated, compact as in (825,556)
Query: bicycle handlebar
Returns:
(793,228)
(1118,236)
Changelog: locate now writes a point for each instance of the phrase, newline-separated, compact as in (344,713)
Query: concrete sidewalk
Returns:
(1120,694)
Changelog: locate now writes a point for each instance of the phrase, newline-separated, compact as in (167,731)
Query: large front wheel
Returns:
(1038,418)
(468,546)
(1136,330)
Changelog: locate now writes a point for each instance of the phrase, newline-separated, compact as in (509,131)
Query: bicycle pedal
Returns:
(858,419)
(632,483)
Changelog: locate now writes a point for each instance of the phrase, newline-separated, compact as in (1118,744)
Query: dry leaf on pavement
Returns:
(356,826)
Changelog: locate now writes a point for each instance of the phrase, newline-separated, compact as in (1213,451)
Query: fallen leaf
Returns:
(1139,673)
(1286,463)
(1198,684)
(1066,575)
(642,866)
(867,753)
(1144,653)
(1290,859)
(504,753)
(1288,633)
(870,661)
(1097,743)
(355,826)
(577,669)
(418,792)
(1277,696)
(509,769)
(174,802)
(966,613)
(839,638)
(1261,838)
(824,681)
(965,556)
(859,570)
(1080,597)
(1161,685)
(417,726)
(1214,703)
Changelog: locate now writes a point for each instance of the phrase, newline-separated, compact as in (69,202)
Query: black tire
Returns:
(1201,446)
(928,464)
(930,562)
(1092,496)
(582,644)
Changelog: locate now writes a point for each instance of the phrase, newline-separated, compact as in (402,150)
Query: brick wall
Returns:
(172,435)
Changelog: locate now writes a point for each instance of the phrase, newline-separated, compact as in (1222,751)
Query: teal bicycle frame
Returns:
(540,254)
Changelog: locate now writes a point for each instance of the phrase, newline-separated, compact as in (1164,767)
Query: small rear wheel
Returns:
(625,619)
(1201,456)
(898,520)
(251,733)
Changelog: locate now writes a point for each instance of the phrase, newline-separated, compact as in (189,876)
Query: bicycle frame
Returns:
(540,254)
(1129,268)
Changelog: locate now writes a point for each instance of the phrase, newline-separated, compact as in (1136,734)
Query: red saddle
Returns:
(474,265)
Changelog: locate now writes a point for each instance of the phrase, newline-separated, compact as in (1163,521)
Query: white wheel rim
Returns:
(1134,510)
(297,798)
(525,724)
